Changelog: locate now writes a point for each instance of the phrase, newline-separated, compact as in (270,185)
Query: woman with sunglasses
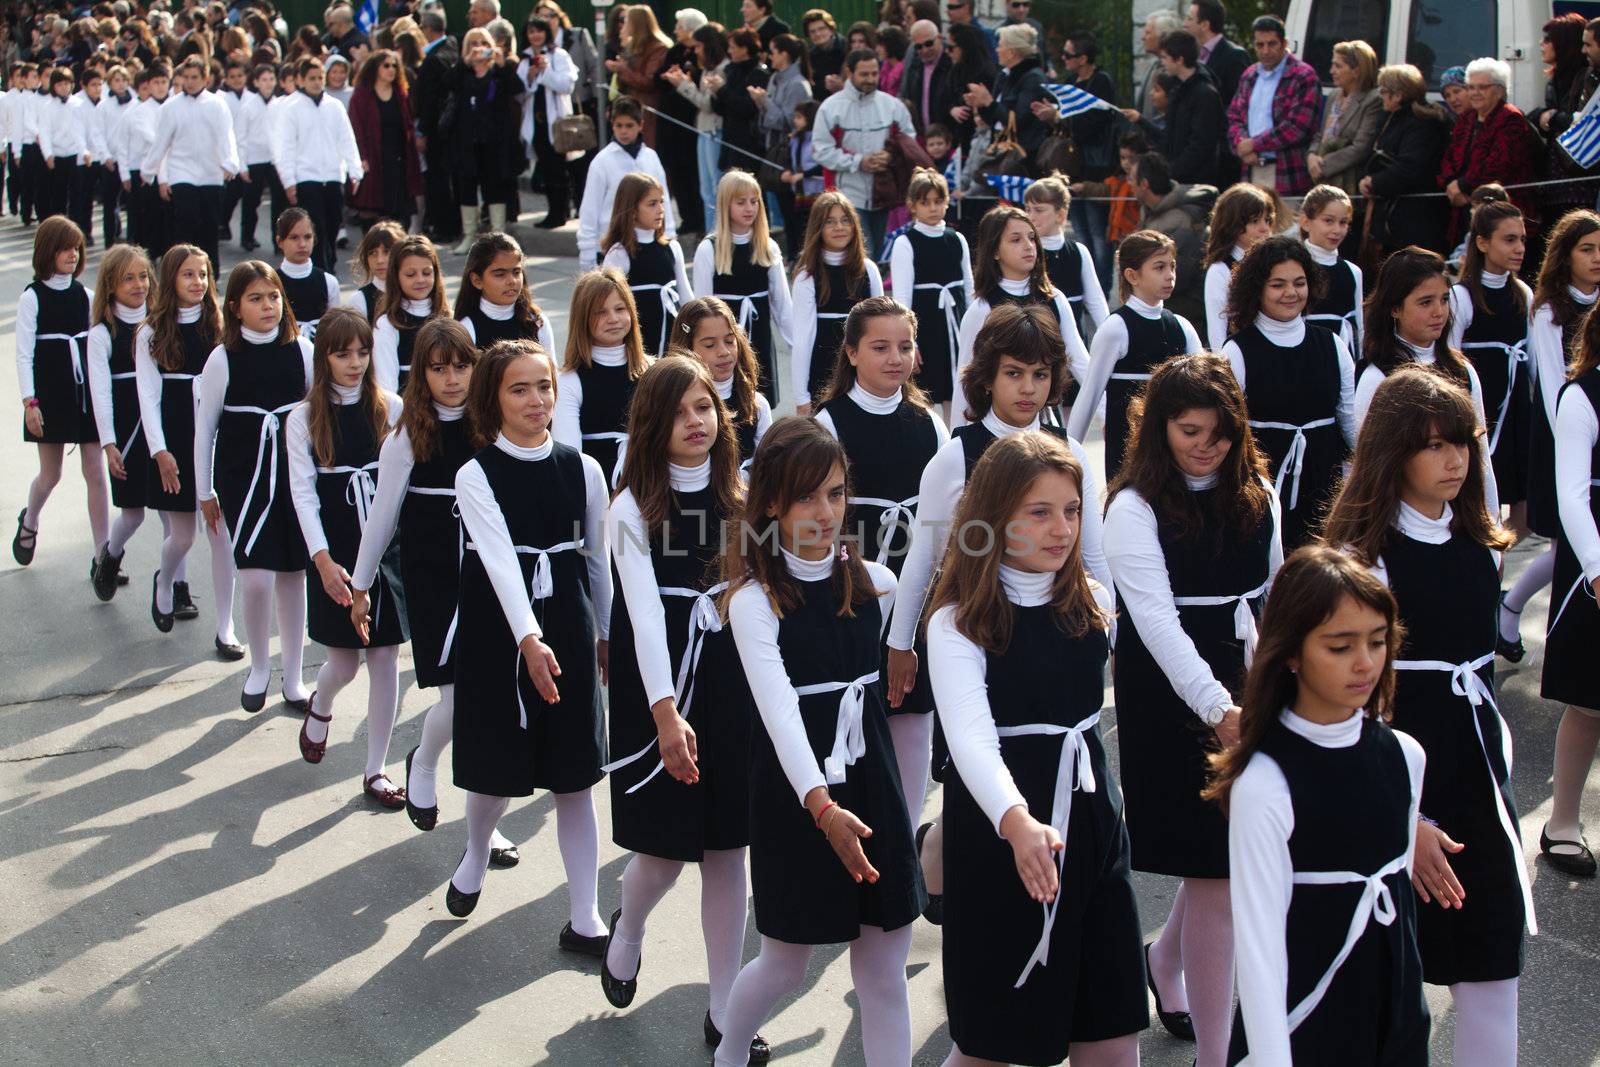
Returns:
(380,114)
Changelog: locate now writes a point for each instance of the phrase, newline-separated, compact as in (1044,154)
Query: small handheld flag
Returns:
(1581,140)
(1009,187)
(888,241)
(1072,100)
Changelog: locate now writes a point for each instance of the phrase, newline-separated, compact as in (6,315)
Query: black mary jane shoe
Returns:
(23,553)
(298,707)
(933,911)
(504,857)
(103,573)
(183,606)
(552,223)
(1178,1023)
(1510,651)
(572,941)
(230,652)
(760,1051)
(458,903)
(252,702)
(423,819)
(619,992)
(1581,865)
(162,619)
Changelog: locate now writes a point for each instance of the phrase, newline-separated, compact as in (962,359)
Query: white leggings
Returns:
(577,836)
(383,695)
(1192,962)
(91,460)
(878,967)
(260,588)
(913,751)
(1486,1023)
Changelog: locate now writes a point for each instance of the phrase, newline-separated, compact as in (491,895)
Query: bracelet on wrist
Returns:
(30,402)
(825,809)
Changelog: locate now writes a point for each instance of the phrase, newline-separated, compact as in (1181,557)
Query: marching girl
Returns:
(680,709)
(255,376)
(308,290)
(604,359)
(1569,283)
(372,263)
(930,272)
(1489,311)
(1325,217)
(890,433)
(417,281)
(705,330)
(837,867)
(51,327)
(117,310)
(1137,337)
(1068,263)
(535,595)
(831,275)
(334,437)
(169,352)
(740,264)
(494,301)
(1414,509)
(1242,218)
(1018,642)
(1009,269)
(1299,384)
(637,245)
(1191,534)
(1314,724)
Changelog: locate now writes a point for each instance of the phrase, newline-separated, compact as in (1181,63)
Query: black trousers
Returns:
(80,197)
(57,189)
(232,191)
(324,202)
(108,191)
(553,169)
(32,167)
(441,215)
(196,214)
(263,182)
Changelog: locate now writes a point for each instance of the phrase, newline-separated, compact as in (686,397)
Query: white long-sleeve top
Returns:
(253,127)
(27,117)
(108,116)
(1110,344)
(617,256)
(211,391)
(557,80)
(755,633)
(135,133)
(1576,430)
(1329,259)
(313,141)
(395,462)
(763,407)
(943,480)
(486,529)
(1133,549)
(569,394)
(1094,297)
(804,322)
(630,554)
(386,344)
(193,141)
(903,266)
(977,314)
(1462,309)
(10,130)
(303,463)
(99,361)
(1292,334)
(1260,822)
(958,671)
(63,129)
(357,299)
(606,171)
(1549,351)
(778,297)
(147,374)
(503,312)
(1218,277)
(26,330)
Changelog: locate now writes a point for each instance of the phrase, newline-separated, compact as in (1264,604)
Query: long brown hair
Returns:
(855,253)
(1400,276)
(1556,272)
(746,369)
(1028,334)
(337,330)
(115,265)
(485,250)
(855,329)
(483,398)
(392,301)
(162,320)
(240,279)
(54,236)
(367,76)
(1585,355)
(795,457)
(652,417)
(631,190)
(441,340)
(1237,207)
(986,268)
(999,485)
(1486,219)
(589,296)
(1305,593)
(1183,383)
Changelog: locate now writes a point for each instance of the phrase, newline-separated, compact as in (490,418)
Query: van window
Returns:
(1333,21)
(1448,33)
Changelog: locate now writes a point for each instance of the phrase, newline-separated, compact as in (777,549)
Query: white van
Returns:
(1434,35)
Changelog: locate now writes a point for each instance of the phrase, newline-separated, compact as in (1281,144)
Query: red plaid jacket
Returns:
(1296,118)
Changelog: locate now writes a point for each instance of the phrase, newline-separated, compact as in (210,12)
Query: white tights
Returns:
(91,460)
(1192,962)
(261,588)
(878,968)
(177,538)
(1113,1052)
(1534,577)
(722,916)
(383,697)
(913,750)
(1486,1023)
(577,835)
(438,725)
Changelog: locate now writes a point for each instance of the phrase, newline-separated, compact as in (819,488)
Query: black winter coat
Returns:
(1406,159)
(941,97)
(1194,130)
(741,119)
(486,118)
(1015,92)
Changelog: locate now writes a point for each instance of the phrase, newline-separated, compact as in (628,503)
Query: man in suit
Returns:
(1226,63)
(440,56)
(758,16)
(926,87)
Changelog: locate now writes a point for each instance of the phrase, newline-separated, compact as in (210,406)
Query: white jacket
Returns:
(863,122)
(600,193)
(253,127)
(61,129)
(134,135)
(194,142)
(108,115)
(313,141)
(558,79)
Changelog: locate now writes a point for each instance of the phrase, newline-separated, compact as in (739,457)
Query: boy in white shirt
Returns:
(314,150)
(625,153)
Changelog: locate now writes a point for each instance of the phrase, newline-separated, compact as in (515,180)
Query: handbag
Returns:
(1004,154)
(889,185)
(1058,153)
(573,133)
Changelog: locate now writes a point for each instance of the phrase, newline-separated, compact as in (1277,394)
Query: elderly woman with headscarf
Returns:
(1490,143)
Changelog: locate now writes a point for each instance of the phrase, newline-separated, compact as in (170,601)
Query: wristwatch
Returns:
(1213,716)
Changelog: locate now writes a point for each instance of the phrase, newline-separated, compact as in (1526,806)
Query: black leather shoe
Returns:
(23,553)
(619,992)
(423,818)
(231,653)
(458,903)
(760,1051)
(552,222)
(933,911)
(572,941)
(122,579)
(504,857)
(103,573)
(1581,865)
(298,707)
(1178,1023)
(183,606)
(1510,651)
(253,702)
(163,620)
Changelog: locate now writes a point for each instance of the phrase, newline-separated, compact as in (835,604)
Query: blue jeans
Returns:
(873,221)
(1089,223)
(707,150)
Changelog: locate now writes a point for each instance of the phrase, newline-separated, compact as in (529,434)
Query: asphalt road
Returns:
(183,889)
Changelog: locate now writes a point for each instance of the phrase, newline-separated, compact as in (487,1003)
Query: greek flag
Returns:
(1581,140)
(1074,101)
(952,170)
(888,242)
(1009,186)
(366,15)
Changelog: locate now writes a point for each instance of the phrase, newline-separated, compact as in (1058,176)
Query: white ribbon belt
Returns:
(1074,771)
(1517,353)
(1130,376)
(540,587)
(669,307)
(893,512)
(747,307)
(1346,328)
(1466,682)
(271,422)
(360,490)
(622,449)
(849,740)
(424,490)
(1244,620)
(176,376)
(947,304)
(1295,457)
(461,551)
(133,434)
(75,340)
(704,618)
(1376,903)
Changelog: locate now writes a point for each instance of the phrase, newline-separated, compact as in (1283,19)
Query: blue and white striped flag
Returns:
(1074,101)
(888,241)
(1009,186)
(367,15)
(952,170)
(1581,140)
